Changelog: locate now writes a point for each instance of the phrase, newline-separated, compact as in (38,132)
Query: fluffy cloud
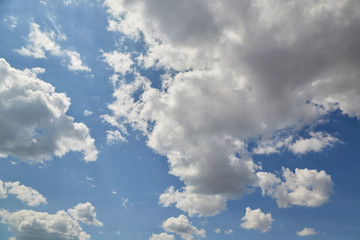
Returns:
(229,231)
(162,236)
(29,225)
(39,43)
(85,212)
(193,203)
(34,121)
(303,187)
(235,72)
(120,62)
(316,143)
(26,194)
(306,232)
(256,219)
(114,137)
(182,226)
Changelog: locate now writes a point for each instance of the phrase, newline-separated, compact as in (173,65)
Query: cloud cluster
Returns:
(29,225)
(303,187)
(183,227)
(256,219)
(85,212)
(317,142)
(39,43)
(33,119)
(235,72)
(26,194)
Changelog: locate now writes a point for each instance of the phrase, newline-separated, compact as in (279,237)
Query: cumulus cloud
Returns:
(26,194)
(303,187)
(235,72)
(85,212)
(29,225)
(114,137)
(256,219)
(229,231)
(183,227)
(316,143)
(306,232)
(39,43)
(162,236)
(217,230)
(193,203)
(120,62)
(34,121)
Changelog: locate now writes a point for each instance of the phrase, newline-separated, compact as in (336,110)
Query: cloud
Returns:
(87,112)
(113,137)
(120,62)
(85,212)
(29,225)
(306,232)
(229,231)
(39,43)
(218,230)
(256,219)
(304,187)
(316,143)
(34,121)
(182,226)
(193,203)
(234,72)
(26,194)
(162,236)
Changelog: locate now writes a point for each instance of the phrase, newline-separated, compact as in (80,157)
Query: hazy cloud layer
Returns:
(33,119)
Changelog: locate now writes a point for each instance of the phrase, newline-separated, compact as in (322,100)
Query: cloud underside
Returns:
(33,117)
(183,227)
(235,72)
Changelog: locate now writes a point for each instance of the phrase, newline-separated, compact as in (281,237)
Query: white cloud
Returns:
(256,219)
(87,112)
(3,191)
(29,225)
(113,137)
(39,43)
(229,231)
(120,62)
(26,194)
(124,202)
(118,233)
(316,143)
(85,212)
(303,188)
(34,121)
(10,21)
(218,230)
(162,236)
(306,232)
(183,227)
(237,71)
(193,203)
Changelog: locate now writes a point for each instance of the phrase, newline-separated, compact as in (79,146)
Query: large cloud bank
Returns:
(236,72)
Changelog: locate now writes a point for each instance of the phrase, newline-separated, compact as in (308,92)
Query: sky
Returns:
(179,120)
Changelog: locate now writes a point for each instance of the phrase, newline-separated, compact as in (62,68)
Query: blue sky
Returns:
(169,120)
